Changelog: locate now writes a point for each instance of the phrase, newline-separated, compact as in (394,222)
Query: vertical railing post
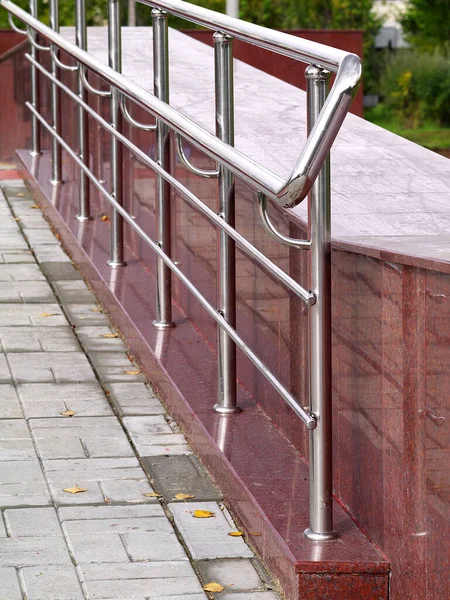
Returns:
(56,100)
(226,276)
(35,87)
(162,200)
(116,160)
(83,126)
(320,453)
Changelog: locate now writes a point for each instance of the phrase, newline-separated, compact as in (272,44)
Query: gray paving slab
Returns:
(16,256)
(5,373)
(49,367)
(10,407)
(44,315)
(9,588)
(33,551)
(180,474)
(52,254)
(153,436)
(22,484)
(52,582)
(52,399)
(12,240)
(238,573)
(134,399)
(38,339)
(58,271)
(80,437)
(154,546)
(32,522)
(34,220)
(115,366)
(74,292)
(98,513)
(21,272)
(86,315)
(98,548)
(139,585)
(15,441)
(26,291)
(107,480)
(98,339)
(38,237)
(208,538)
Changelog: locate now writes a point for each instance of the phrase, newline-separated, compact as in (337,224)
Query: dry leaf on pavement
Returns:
(133,372)
(68,413)
(110,335)
(35,206)
(75,490)
(46,314)
(203,514)
(181,496)
(235,533)
(152,495)
(213,587)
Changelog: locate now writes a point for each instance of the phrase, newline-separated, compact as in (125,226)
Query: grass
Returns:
(428,135)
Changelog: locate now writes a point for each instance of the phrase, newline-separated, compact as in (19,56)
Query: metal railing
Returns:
(326,111)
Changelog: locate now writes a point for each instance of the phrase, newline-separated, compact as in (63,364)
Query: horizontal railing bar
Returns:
(246,246)
(307,418)
(263,37)
(285,193)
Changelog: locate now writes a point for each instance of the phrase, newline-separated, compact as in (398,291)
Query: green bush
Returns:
(416,87)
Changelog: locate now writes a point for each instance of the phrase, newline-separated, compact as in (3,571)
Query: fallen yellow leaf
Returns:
(46,314)
(203,514)
(152,495)
(96,309)
(35,206)
(18,219)
(58,236)
(20,194)
(235,533)
(75,490)
(184,496)
(110,335)
(104,218)
(133,372)
(68,413)
(213,587)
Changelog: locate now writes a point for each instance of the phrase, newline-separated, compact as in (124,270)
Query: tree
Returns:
(427,24)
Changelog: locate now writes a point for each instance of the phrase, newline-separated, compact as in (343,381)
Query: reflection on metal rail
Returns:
(326,112)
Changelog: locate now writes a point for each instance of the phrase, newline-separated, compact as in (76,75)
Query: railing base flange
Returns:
(227,410)
(320,537)
(163,324)
(116,263)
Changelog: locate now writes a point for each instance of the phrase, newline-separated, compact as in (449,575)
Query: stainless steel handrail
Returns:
(325,111)
(287,193)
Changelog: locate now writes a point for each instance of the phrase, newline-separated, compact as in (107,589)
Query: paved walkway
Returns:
(90,462)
